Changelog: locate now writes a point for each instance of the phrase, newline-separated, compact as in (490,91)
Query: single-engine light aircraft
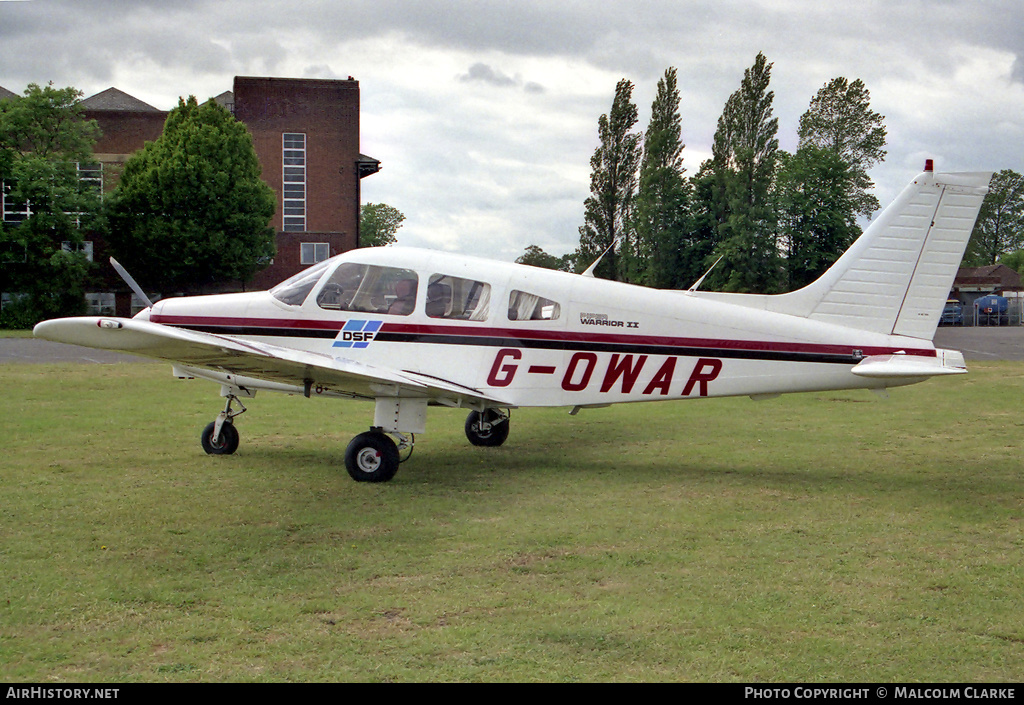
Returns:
(409,328)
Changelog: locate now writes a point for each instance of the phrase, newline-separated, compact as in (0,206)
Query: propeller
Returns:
(131,282)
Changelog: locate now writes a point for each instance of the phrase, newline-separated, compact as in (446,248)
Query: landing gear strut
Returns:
(487,428)
(220,437)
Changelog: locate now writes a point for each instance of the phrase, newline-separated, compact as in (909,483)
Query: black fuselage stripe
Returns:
(534,344)
(251,331)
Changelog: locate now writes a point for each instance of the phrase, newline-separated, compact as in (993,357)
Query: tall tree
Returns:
(743,164)
(663,195)
(613,180)
(44,144)
(378,224)
(535,256)
(816,210)
(840,119)
(191,209)
(1000,226)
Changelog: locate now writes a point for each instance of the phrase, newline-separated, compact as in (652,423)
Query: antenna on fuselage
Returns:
(697,283)
(132,284)
(592,267)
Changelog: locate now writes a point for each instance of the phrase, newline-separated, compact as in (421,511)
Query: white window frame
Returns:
(293,181)
(13,211)
(91,174)
(313,252)
(85,247)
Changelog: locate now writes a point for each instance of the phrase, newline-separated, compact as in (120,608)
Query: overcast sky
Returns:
(484,113)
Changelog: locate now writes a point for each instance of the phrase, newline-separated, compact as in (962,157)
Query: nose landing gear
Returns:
(220,437)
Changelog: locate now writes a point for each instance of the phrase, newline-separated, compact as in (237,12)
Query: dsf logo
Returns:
(357,334)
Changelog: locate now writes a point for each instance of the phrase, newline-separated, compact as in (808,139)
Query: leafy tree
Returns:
(1000,225)
(817,213)
(1014,260)
(190,208)
(43,141)
(661,218)
(378,223)
(840,119)
(613,180)
(702,239)
(537,257)
(742,169)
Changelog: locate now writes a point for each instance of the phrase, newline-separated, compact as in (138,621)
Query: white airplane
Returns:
(411,328)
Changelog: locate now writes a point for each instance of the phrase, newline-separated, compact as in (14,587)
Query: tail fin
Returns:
(896,277)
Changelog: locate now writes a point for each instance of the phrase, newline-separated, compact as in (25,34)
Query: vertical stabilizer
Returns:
(895,278)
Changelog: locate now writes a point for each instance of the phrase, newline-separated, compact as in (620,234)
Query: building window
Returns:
(14,211)
(313,252)
(84,247)
(90,175)
(293,160)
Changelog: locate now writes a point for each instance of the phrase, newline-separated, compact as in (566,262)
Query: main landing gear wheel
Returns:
(489,428)
(372,457)
(225,444)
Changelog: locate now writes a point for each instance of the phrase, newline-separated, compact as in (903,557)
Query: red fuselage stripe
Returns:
(295,326)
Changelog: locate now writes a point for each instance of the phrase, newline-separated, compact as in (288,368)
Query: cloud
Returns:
(482,73)
(485,74)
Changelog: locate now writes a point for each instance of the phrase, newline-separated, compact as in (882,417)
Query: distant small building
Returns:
(974,282)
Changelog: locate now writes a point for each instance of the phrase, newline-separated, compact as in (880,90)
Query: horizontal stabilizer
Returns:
(900,365)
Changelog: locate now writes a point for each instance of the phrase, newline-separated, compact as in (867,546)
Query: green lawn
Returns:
(829,537)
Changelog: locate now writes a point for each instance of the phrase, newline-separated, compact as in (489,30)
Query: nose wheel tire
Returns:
(226,444)
(372,457)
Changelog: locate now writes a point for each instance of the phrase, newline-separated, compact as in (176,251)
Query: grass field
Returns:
(825,537)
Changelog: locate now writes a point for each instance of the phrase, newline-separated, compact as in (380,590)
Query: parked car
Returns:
(952,314)
(993,310)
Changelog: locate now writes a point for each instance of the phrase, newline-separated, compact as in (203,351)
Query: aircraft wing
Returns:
(261,361)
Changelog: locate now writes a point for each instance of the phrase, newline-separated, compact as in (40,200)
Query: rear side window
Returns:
(454,297)
(531,307)
(369,289)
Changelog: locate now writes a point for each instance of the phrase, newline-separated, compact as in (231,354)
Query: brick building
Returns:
(306,136)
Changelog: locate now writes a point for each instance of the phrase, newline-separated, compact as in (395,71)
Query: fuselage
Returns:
(535,337)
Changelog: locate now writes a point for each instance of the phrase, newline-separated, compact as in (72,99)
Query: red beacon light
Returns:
(929,165)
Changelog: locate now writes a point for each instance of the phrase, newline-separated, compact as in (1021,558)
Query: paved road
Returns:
(983,343)
(31,350)
(1006,343)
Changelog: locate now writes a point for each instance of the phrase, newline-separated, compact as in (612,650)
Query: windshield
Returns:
(370,289)
(294,290)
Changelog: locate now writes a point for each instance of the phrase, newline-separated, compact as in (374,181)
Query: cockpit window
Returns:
(294,290)
(530,307)
(453,297)
(369,289)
